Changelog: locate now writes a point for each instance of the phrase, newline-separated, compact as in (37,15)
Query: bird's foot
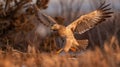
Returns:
(73,49)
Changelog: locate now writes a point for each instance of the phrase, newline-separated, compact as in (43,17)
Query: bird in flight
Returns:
(81,25)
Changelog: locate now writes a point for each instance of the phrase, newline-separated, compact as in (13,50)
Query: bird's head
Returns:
(56,27)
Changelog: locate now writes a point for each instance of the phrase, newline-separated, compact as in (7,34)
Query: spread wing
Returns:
(43,18)
(88,21)
(46,20)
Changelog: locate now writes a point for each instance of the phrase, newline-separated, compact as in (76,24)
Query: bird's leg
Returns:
(74,49)
(59,51)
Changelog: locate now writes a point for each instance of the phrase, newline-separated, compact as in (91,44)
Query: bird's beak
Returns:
(52,28)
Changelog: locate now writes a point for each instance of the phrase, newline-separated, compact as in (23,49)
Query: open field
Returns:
(93,58)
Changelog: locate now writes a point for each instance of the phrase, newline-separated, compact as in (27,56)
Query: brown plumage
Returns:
(82,24)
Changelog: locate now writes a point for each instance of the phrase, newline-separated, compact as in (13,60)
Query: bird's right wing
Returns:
(47,20)
(43,18)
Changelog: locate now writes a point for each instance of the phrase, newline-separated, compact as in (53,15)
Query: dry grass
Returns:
(108,57)
(30,50)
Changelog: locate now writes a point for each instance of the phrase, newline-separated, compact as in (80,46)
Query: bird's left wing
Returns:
(90,20)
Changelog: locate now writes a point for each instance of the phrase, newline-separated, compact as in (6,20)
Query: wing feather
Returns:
(47,20)
(90,20)
(44,18)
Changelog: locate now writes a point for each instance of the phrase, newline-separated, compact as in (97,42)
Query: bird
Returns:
(81,25)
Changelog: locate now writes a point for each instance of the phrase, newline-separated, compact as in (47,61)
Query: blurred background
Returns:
(86,5)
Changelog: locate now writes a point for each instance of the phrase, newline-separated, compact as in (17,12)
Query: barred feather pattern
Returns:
(90,20)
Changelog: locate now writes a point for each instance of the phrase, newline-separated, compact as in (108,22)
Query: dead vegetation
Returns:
(108,57)
(15,20)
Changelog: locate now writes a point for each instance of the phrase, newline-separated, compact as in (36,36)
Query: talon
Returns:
(73,49)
